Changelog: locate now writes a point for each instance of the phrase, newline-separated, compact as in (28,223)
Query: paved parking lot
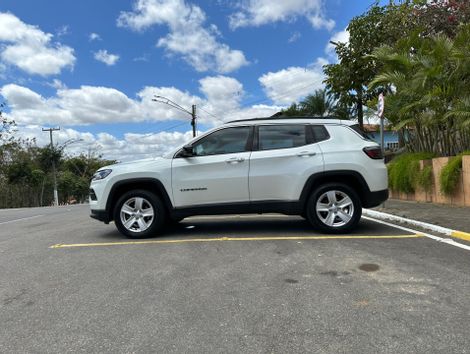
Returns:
(251,284)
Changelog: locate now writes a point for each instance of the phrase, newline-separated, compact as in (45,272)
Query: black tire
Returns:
(173,223)
(150,203)
(336,219)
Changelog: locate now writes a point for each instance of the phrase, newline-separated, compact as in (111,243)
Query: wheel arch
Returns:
(149,184)
(352,179)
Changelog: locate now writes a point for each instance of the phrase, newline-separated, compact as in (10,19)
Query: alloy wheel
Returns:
(137,214)
(334,208)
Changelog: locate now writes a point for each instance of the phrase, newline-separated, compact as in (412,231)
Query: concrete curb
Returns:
(442,230)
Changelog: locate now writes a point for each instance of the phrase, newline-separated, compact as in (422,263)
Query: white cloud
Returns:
(132,146)
(94,37)
(221,97)
(197,45)
(30,49)
(57,84)
(106,58)
(255,111)
(3,70)
(223,94)
(63,31)
(143,58)
(261,12)
(86,105)
(338,37)
(289,85)
(294,37)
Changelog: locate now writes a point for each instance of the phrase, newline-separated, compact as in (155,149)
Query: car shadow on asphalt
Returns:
(251,227)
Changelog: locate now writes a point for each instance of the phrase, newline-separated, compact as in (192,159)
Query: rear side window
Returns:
(281,136)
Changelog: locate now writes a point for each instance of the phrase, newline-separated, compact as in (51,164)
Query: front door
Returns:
(218,171)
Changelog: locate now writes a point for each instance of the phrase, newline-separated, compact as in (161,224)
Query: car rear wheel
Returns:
(139,214)
(334,208)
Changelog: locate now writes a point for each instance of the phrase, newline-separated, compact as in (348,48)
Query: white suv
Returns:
(325,170)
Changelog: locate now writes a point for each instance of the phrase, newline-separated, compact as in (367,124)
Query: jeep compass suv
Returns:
(325,170)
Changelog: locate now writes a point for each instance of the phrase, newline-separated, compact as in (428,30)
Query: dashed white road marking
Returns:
(21,219)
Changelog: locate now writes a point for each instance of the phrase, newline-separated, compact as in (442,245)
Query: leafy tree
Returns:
(49,154)
(26,178)
(440,17)
(7,126)
(347,80)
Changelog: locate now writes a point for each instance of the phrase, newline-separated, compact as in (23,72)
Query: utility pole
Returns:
(175,105)
(193,120)
(56,195)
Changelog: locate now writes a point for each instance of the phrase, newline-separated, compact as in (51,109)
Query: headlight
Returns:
(101,174)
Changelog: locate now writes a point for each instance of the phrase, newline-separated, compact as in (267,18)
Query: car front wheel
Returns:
(334,208)
(139,214)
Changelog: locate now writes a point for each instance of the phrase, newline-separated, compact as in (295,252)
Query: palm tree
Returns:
(318,104)
(430,77)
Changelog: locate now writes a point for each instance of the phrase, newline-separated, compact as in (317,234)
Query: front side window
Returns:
(224,141)
(281,136)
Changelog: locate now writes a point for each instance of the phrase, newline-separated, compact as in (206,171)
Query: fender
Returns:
(151,184)
(349,177)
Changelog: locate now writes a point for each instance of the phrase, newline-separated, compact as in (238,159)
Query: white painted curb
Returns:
(439,229)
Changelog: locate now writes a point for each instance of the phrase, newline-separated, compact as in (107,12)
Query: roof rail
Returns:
(280,117)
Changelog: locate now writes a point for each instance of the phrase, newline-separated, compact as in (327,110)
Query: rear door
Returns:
(283,157)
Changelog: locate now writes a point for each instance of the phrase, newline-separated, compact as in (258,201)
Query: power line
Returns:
(258,101)
(209,113)
(170,103)
(173,127)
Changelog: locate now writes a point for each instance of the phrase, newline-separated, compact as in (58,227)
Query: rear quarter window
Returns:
(359,131)
(319,133)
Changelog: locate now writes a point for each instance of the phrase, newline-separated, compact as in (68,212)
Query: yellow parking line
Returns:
(221,239)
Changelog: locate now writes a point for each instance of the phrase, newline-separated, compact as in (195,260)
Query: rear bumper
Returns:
(373,199)
(101,215)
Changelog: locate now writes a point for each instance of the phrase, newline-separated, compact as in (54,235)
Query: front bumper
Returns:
(101,215)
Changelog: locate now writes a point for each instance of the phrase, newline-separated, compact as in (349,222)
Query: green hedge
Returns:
(451,174)
(424,178)
(405,175)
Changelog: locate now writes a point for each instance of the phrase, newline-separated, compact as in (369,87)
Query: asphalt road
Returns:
(261,285)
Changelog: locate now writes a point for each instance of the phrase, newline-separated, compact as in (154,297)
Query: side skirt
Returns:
(282,207)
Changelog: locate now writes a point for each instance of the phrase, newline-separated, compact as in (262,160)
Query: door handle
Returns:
(235,160)
(306,154)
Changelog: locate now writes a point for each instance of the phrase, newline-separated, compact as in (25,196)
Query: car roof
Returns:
(291,120)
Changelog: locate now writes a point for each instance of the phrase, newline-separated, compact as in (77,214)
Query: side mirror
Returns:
(187,151)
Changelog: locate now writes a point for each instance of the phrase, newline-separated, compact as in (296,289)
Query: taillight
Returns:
(374,152)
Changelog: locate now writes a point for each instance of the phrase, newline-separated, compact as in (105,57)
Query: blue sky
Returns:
(93,66)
